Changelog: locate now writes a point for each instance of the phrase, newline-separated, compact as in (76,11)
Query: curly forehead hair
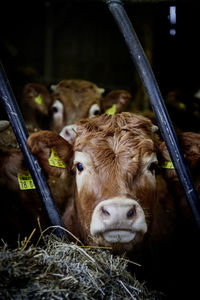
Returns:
(107,125)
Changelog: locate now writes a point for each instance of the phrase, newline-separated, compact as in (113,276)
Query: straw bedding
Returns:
(60,270)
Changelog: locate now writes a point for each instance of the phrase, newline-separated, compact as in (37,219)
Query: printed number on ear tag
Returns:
(111,110)
(39,99)
(25,181)
(55,160)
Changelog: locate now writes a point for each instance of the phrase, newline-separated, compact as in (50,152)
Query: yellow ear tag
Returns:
(182,105)
(25,181)
(111,110)
(168,165)
(39,100)
(55,160)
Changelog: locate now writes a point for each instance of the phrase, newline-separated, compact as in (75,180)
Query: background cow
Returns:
(70,101)
(76,99)
(190,145)
(34,104)
(22,210)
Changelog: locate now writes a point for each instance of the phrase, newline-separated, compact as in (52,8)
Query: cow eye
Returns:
(153,167)
(54,109)
(57,107)
(94,110)
(79,167)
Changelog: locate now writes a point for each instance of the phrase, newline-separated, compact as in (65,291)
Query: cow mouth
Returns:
(119,236)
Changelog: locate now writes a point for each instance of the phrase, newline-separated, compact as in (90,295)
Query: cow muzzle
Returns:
(118,220)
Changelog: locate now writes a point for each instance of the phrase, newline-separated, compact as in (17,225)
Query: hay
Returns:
(60,270)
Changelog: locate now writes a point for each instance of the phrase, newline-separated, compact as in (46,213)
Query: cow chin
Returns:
(119,236)
(121,244)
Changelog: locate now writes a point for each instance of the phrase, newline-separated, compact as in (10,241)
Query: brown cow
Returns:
(21,206)
(76,99)
(119,201)
(190,146)
(34,105)
(116,157)
(70,101)
(187,231)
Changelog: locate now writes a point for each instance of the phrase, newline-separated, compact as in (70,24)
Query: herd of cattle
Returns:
(113,181)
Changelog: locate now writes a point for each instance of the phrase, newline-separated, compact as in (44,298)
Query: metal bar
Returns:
(15,117)
(146,74)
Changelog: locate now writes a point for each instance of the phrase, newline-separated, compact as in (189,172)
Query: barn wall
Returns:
(53,40)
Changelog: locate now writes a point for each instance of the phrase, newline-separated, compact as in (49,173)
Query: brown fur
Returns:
(77,96)
(125,135)
(113,142)
(41,143)
(21,208)
(190,146)
(119,97)
(36,115)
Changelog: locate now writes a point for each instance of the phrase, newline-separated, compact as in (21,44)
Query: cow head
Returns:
(190,145)
(35,103)
(77,99)
(114,161)
(73,100)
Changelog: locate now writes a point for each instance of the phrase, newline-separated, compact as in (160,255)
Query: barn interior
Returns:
(47,41)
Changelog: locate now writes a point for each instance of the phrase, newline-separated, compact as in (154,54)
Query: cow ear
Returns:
(36,96)
(120,98)
(29,91)
(154,128)
(53,87)
(52,151)
(4,124)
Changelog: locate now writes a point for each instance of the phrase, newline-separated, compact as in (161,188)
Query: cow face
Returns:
(73,100)
(114,163)
(115,159)
(77,99)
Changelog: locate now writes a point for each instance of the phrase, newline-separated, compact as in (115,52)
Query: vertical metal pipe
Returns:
(15,117)
(146,74)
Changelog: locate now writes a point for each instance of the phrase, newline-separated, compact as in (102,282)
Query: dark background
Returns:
(48,41)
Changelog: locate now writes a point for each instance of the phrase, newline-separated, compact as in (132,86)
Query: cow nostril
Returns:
(67,132)
(105,212)
(131,212)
